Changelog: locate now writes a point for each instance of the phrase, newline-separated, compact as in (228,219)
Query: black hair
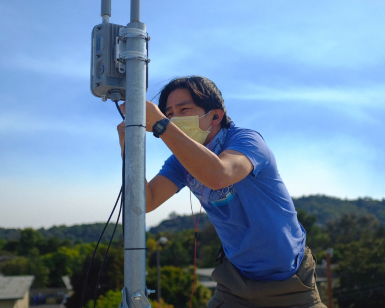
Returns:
(204,92)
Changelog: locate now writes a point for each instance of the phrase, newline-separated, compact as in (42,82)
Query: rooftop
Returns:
(14,287)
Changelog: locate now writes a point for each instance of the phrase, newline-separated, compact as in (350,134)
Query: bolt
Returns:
(137,296)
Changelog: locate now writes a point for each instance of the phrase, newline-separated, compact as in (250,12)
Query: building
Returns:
(52,296)
(14,291)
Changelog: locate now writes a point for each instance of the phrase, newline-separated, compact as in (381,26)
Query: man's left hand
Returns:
(153,114)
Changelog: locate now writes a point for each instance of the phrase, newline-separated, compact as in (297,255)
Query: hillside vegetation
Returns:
(324,208)
(355,229)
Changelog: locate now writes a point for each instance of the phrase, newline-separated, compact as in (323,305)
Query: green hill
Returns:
(323,207)
(326,208)
(86,233)
(178,223)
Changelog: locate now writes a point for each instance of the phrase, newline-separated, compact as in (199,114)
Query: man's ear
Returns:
(218,115)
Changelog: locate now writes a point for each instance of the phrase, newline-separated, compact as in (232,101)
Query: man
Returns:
(234,174)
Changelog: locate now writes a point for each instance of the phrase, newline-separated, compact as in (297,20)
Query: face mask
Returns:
(190,126)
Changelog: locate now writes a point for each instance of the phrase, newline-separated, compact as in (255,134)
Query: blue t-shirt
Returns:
(255,218)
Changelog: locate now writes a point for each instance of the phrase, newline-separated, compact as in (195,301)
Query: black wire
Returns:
(120,111)
(121,193)
(93,256)
(105,255)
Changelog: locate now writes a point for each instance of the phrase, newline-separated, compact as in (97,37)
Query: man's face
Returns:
(181,104)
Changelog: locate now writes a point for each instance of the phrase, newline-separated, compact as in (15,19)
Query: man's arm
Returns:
(213,171)
(159,190)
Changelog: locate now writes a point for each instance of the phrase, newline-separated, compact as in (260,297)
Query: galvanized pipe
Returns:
(135,168)
(105,10)
(135,11)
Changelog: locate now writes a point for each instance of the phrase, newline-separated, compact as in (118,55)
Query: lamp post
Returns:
(329,255)
(162,241)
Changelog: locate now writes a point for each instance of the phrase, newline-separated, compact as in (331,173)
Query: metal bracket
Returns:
(121,55)
(125,32)
(140,300)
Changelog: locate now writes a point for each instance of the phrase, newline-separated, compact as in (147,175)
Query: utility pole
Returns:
(119,62)
(161,242)
(329,254)
(135,56)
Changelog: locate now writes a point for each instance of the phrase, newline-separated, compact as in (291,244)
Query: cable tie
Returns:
(139,125)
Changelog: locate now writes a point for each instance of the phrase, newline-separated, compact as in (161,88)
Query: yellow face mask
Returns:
(190,126)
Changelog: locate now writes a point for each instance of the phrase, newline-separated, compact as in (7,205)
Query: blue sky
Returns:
(308,75)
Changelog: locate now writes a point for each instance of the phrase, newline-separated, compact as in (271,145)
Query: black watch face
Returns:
(160,127)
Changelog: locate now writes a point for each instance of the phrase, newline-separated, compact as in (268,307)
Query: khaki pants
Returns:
(234,290)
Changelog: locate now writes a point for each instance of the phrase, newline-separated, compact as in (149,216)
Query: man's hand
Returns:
(122,128)
(153,114)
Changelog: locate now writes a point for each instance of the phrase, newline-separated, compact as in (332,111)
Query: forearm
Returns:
(200,162)
(149,203)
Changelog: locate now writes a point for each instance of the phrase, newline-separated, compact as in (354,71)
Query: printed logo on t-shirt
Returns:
(196,187)
(218,197)
(222,196)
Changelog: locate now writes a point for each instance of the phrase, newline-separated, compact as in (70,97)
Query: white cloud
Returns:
(363,96)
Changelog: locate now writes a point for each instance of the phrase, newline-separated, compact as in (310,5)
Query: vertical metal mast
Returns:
(106,10)
(135,195)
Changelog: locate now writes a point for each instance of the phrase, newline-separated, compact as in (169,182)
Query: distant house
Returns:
(52,296)
(14,291)
(204,275)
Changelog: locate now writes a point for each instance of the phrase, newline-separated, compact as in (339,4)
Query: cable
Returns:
(97,245)
(105,255)
(101,235)
(196,226)
(120,111)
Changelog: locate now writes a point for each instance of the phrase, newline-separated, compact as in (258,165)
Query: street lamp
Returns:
(162,241)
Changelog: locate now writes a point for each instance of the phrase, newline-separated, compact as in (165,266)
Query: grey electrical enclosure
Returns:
(107,73)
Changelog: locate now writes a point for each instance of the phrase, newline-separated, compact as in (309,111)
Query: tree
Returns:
(29,239)
(62,262)
(362,274)
(2,243)
(11,246)
(176,286)
(316,238)
(351,227)
(31,265)
(111,277)
(112,299)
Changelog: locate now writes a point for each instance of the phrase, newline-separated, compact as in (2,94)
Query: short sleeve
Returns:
(251,144)
(174,171)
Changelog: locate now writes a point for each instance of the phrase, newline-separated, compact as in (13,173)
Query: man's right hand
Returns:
(122,128)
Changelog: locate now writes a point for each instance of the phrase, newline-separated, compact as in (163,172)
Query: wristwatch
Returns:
(160,127)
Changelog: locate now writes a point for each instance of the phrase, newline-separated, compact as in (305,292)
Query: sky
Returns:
(308,75)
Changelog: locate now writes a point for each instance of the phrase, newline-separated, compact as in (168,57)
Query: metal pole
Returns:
(158,270)
(329,279)
(135,193)
(106,10)
(135,11)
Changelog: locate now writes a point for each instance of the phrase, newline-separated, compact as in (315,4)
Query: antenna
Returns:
(106,10)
